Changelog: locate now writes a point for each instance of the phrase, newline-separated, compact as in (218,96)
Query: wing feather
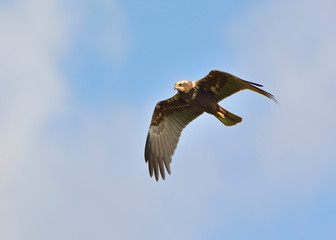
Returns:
(222,85)
(156,167)
(170,117)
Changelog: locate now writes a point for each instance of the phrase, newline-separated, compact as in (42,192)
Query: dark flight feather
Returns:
(169,119)
(222,85)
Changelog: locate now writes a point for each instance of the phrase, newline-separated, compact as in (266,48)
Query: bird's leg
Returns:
(221,112)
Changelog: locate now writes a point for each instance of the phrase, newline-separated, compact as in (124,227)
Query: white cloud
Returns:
(32,34)
(89,180)
(291,45)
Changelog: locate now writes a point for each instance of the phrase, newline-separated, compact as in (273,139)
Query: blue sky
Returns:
(79,82)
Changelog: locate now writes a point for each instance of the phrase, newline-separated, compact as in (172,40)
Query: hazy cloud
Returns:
(81,175)
(291,44)
(33,32)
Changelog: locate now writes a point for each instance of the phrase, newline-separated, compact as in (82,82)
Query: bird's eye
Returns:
(180,84)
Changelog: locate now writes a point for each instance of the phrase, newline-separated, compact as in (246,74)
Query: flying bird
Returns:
(171,116)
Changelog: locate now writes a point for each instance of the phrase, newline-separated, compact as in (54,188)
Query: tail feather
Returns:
(230,119)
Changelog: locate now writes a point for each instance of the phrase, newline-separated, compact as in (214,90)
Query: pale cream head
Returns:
(183,86)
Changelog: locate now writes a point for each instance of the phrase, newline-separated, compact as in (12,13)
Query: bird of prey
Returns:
(171,116)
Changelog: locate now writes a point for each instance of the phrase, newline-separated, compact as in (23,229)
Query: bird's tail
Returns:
(227,118)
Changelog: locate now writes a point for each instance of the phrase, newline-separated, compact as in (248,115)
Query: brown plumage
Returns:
(192,99)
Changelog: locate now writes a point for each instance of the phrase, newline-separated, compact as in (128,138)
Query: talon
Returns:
(221,114)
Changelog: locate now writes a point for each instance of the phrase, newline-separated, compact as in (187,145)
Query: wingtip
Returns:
(273,98)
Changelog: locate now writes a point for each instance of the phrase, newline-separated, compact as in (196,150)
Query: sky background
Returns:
(78,84)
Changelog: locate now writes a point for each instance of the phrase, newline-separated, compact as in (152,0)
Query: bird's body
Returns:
(193,98)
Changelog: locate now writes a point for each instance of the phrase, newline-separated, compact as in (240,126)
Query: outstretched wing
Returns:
(221,85)
(169,119)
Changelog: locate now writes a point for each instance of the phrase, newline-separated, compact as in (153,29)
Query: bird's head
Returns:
(183,86)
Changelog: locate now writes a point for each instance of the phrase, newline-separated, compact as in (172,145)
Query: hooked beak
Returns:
(175,87)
